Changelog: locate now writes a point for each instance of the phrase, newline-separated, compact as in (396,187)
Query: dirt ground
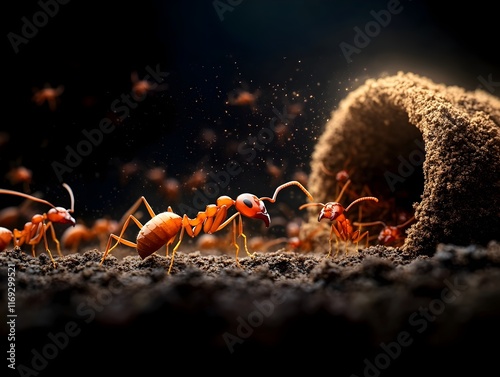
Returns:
(378,312)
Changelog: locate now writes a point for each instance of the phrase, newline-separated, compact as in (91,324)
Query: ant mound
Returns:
(423,149)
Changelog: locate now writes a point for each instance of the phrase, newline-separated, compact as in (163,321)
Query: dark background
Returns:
(288,51)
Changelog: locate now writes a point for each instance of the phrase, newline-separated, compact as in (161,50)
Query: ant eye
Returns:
(248,203)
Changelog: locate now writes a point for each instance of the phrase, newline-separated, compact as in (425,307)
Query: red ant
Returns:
(20,175)
(240,97)
(341,226)
(141,87)
(49,95)
(36,229)
(390,234)
(163,228)
(341,177)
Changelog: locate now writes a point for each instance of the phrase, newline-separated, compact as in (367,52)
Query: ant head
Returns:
(251,206)
(60,215)
(342,176)
(331,211)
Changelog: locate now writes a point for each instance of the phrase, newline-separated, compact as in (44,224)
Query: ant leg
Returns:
(339,232)
(123,241)
(41,233)
(134,208)
(236,244)
(357,238)
(234,233)
(240,233)
(337,237)
(44,234)
(54,238)
(330,239)
(175,249)
(119,239)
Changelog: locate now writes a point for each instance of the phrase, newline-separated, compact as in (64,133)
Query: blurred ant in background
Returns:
(142,87)
(48,94)
(242,97)
(341,177)
(390,235)
(20,175)
(72,238)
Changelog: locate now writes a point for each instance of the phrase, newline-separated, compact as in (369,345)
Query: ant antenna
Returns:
(284,185)
(66,186)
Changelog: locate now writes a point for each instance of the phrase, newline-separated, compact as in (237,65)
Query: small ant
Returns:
(341,226)
(36,229)
(163,228)
(20,175)
(341,177)
(74,236)
(390,234)
(49,95)
(243,97)
(142,87)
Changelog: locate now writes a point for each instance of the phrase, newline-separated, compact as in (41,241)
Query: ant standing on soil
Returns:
(341,226)
(163,228)
(36,229)
(390,235)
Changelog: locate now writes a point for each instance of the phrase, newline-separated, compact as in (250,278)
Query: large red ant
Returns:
(163,228)
(36,229)
(341,225)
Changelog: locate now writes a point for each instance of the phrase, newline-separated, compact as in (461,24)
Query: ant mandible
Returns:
(390,234)
(36,229)
(341,225)
(163,228)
